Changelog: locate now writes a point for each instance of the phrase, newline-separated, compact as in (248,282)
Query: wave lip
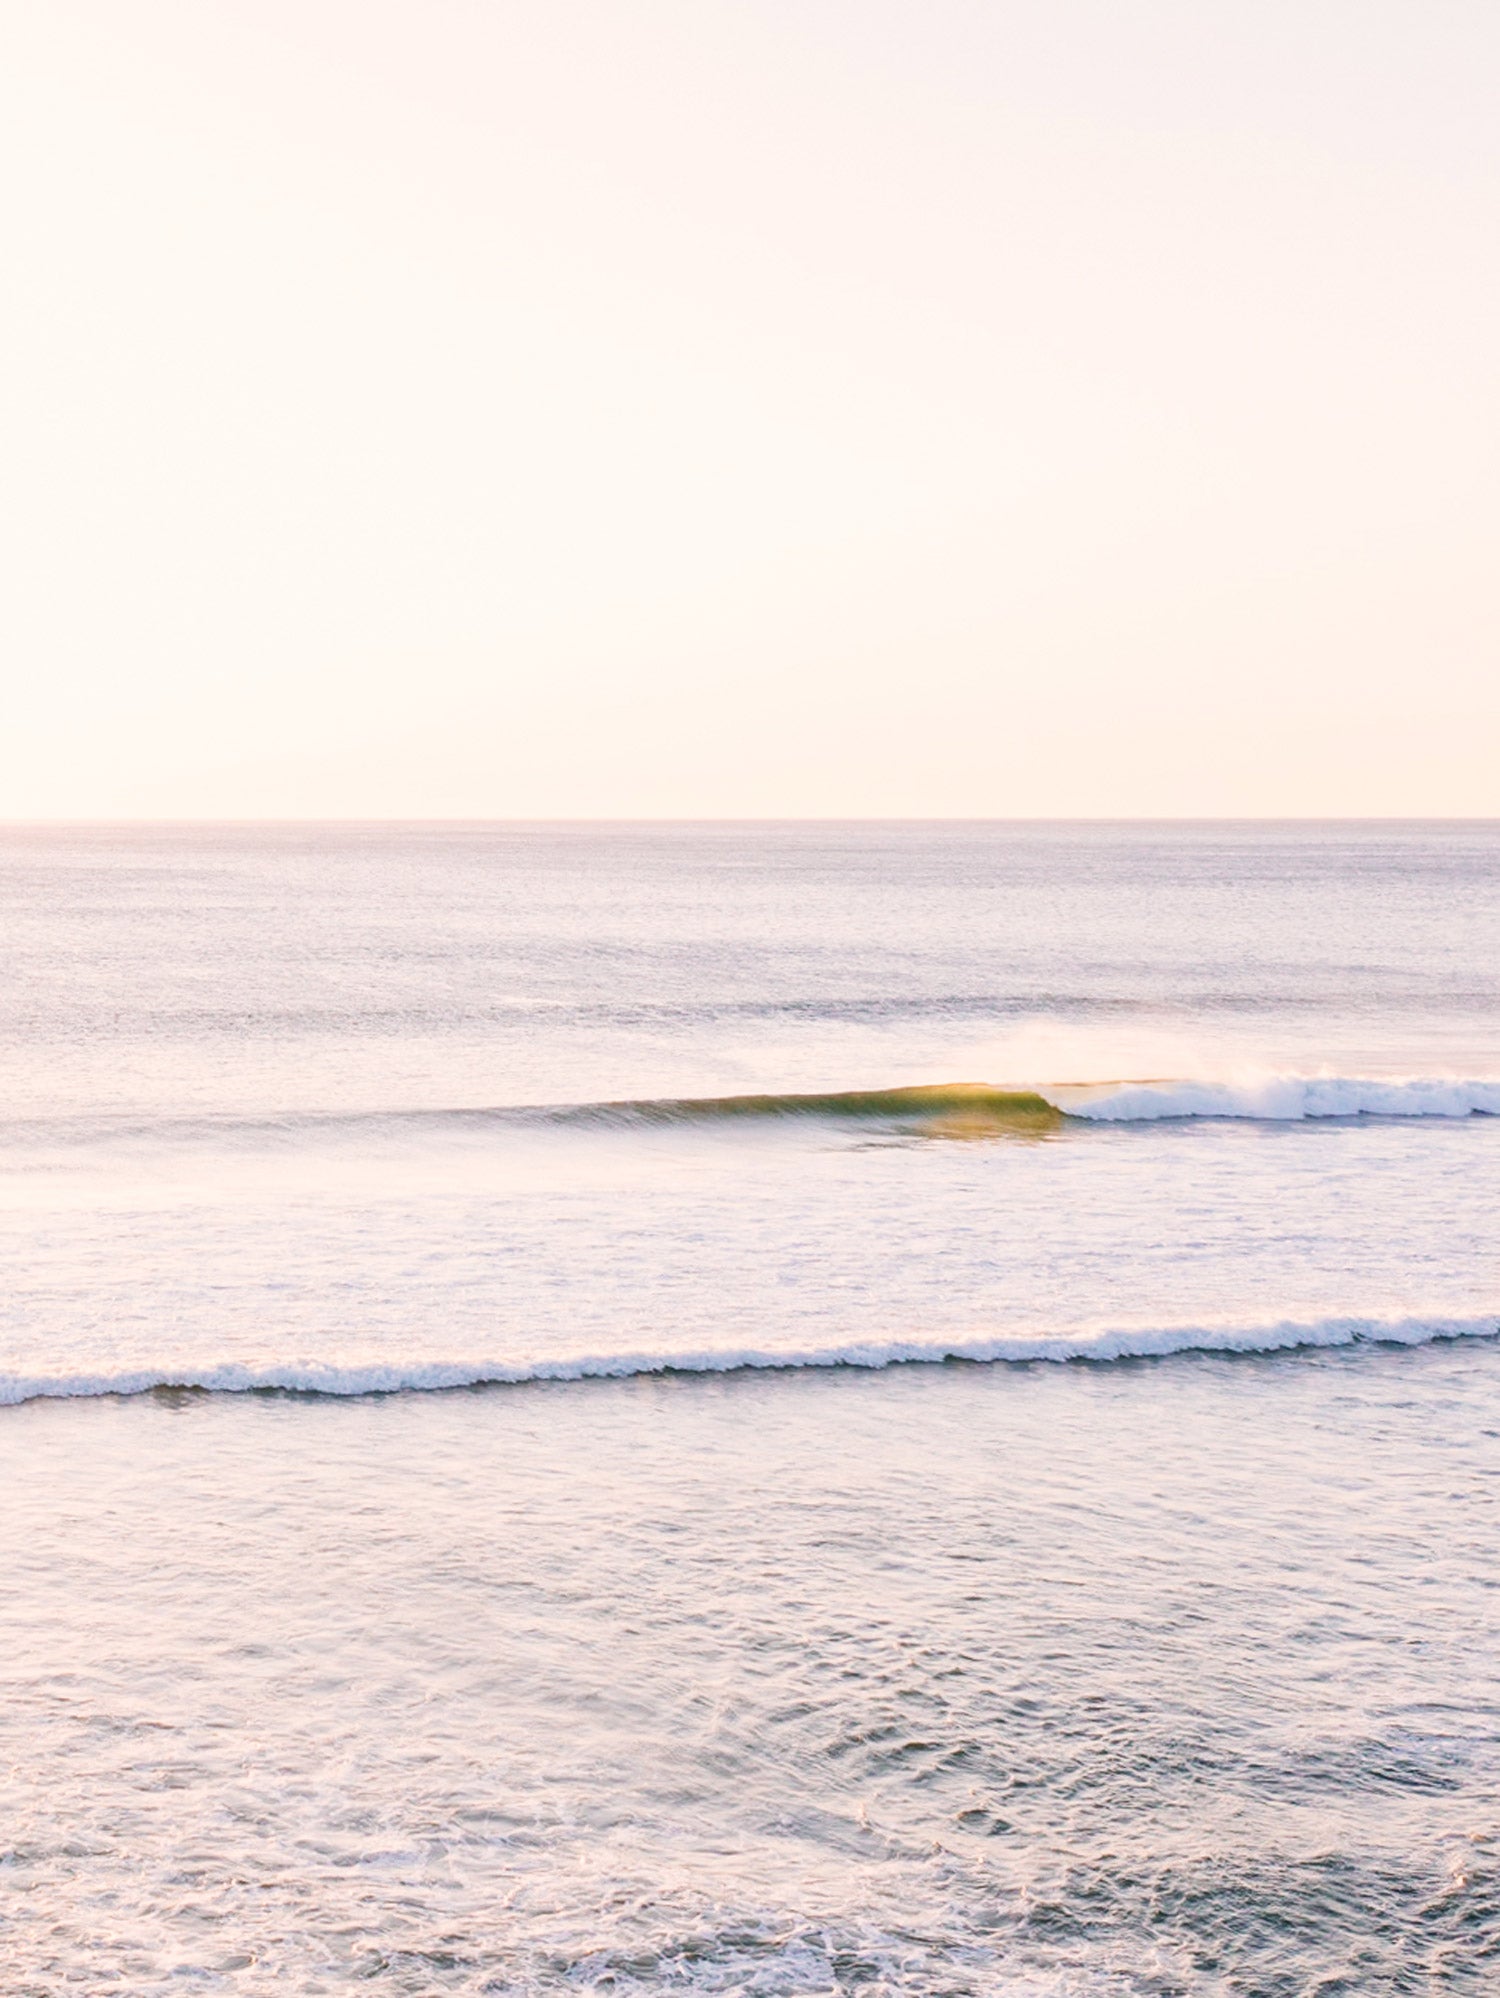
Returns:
(942,1103)
(1102,1344)
(1280,1098)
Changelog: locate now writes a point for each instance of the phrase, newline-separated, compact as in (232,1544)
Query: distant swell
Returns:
(1098,1344)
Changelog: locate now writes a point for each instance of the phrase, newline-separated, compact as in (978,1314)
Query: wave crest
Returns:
(952,1104)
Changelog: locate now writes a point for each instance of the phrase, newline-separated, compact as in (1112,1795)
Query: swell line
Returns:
(956,1109)
(1100,1345)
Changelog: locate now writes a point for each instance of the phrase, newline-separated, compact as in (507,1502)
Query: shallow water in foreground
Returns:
(1158,1676)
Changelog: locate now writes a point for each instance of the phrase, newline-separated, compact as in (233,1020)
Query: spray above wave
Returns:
(1100,1344)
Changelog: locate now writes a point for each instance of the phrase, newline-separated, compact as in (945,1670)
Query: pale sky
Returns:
(492,408)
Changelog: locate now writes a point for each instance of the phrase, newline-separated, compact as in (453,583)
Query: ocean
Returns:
(758,1409)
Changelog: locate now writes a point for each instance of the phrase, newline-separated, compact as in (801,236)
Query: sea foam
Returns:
(1280,1098)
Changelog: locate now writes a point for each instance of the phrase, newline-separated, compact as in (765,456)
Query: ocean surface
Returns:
(770,1409)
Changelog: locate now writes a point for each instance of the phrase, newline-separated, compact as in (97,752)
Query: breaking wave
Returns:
(1278,1098)
(1282,1098)
(963,1106)
(947,1109)
(1100,1344)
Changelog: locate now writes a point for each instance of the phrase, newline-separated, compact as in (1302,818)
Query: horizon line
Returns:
(760,819)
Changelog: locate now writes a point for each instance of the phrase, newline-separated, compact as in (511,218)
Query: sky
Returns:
(788,408)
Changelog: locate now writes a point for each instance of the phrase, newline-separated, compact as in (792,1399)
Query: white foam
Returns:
(1282,1098)
(1103,1343)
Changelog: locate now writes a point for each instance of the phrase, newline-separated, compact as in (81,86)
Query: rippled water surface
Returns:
(766,1665)
(1171,1676)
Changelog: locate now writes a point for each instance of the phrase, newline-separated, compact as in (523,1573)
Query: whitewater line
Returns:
(1101,1345)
